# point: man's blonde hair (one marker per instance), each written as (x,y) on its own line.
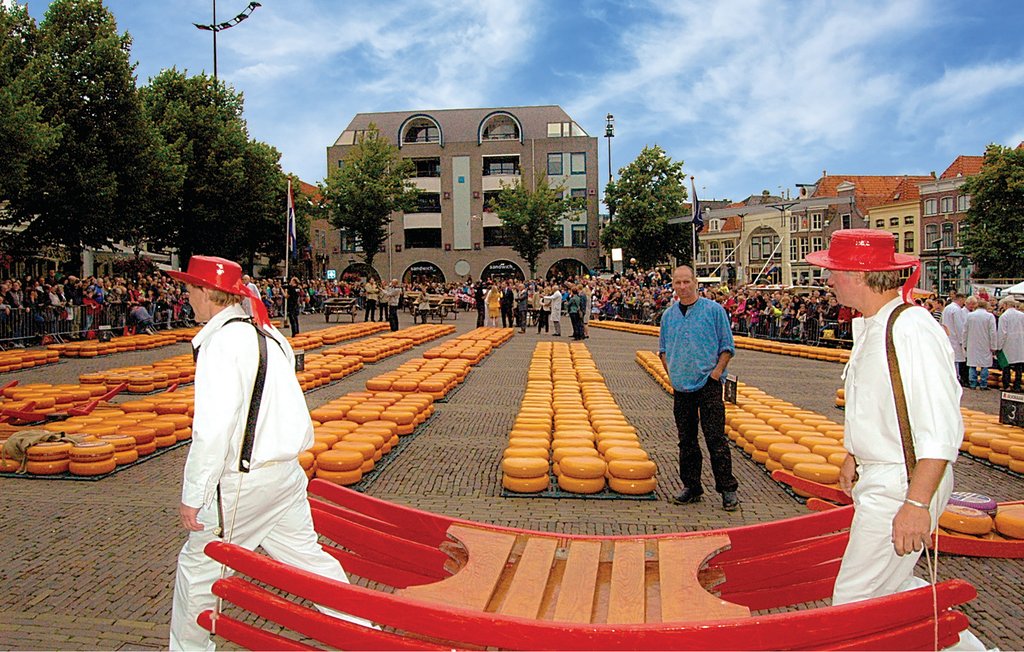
(221,298)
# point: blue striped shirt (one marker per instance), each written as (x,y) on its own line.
(693,342)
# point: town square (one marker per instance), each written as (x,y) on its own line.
(299,350)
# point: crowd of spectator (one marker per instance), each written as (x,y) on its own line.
(54,307)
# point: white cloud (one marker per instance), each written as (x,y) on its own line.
(963,89)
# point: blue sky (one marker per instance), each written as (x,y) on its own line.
(750,94)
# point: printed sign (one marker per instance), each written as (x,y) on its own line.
(1011,409)
(731,387)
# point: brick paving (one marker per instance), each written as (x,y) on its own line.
(90,565)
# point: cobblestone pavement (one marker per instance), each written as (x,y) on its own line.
(89,565)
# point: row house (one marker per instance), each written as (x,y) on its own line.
(943,207)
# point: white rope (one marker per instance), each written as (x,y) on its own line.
(226,537)
(932,562)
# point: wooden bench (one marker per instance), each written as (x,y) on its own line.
(341,306)
(441,306)
(580,580)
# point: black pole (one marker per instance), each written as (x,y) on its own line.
(214,40)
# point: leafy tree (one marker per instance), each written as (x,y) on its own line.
(232,199)
(372,183)
(109,172)
(648,192)
(529,216)
(25,140)
(994,237)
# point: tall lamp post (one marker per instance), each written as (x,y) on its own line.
(219,27)
(609,133)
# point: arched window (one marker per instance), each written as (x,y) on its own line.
(500,125)
(420,129)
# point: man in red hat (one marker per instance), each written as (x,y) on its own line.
(893,517)
(242,480)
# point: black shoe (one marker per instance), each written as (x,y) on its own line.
(688,496)
(730,502)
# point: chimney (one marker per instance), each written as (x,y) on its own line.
(932,174)
(824,173)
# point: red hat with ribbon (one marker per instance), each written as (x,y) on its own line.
(215,273)
(866,250)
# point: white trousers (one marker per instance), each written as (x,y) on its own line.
(871,568)
(273,513)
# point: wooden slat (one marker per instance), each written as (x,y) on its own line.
(626,600)
(682,596)
(576,594)
(473,585)
(531,578)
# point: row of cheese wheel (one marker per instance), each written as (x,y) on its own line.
(143,379)
(436,377)
(780,435)
(334,334)
(743,342)
(569,417)
(473,346)
(18,359)
(45,398)
(133,429)
(321,370)
(651,363)
(94,348)
(986,438)
(367,424)
(1008,521)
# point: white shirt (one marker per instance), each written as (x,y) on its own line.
(225,373)
(1011,335)
(556,305)
(246,302)
(980,338)
(929,381)
(953,318)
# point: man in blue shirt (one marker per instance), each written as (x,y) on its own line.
(695,345)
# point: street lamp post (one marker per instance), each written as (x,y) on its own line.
(609,133)
(219,27)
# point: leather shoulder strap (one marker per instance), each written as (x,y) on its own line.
(902,414)
(249,436)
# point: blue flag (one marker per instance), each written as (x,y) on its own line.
(698,219)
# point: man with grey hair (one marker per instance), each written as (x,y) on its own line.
(1010,331)
(247,302)
(392,296)
(980,342)
(953,317)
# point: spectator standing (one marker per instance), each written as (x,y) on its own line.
(981,342)
(370,295)
(1011,342)
(294,304)
(393,296)
(556,309)
(695,345)
(479,297)
(543,309)
(522,306)
(507,303)
(954,318)
(574,307)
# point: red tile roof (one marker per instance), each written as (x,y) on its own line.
(869,190)
(963,166)
(733,223)
(907,190)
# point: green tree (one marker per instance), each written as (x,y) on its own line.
(25,140)
(109,172)
(372,183)
(994,234)
(648,192)
(232,199)
(530,216)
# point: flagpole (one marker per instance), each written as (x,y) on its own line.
(287,248)
(693,230)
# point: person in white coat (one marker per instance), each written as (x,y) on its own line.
(953,317)
(247,496)
(1011,342)
(893,514)
(556,309)
(980,342)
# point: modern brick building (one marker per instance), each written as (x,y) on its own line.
(462,157)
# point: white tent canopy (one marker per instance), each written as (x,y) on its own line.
(1015,289)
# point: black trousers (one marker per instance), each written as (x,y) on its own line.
(382,311)
(481,313)
(542,320)
(393,317)
(706,407)
(293,319)
(371,307)
(577,326)
(507,321)
(961,371)
(1018,369)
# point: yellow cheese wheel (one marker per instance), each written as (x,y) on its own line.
(626,469)
(789,460)
(581,485)
(625,453)
(1003,445)
(605,444)
(540,452)
(570,442)
(49,451)
(525,485)
(574,451)
(340,477)
(339,460)
(773,465)
(759,456)
(632,487)
(822,473)
(306,459)
(524,467)
(965,520)
(91,452)
(1016,452)
(983,438)
(777,450)
(810,441)
(762,442)
(98,467)
(126,456)
(516,442)
(1002,459)
(979,451)
(1010,521)
(582,467)
(47,468)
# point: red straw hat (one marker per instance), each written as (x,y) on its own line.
(215,273)
(862,250)
(866,250)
